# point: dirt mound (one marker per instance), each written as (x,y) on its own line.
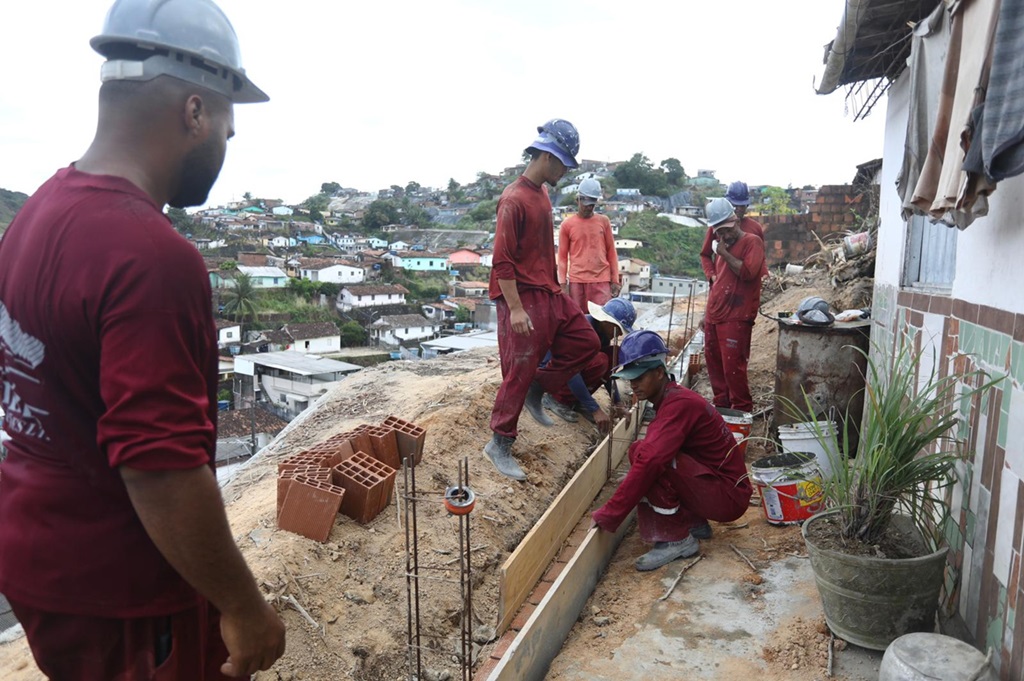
(354,586)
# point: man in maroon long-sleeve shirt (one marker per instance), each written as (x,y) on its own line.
(685,470)
(533,315)
(732,307)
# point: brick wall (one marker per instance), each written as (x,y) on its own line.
(838,209)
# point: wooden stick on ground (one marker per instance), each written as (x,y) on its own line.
(831,647)
(740,554)
(680,576)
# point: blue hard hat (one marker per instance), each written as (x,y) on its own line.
(558,137)
(640,350)
(738,194)
(617,311)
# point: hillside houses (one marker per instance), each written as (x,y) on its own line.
(417,261)
(330,271)
(314,338)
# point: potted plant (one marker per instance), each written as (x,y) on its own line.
(878,552)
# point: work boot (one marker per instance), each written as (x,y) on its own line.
(664,552)
(702,531)
(534,399)
(499,451)
(562,411)
(581,410)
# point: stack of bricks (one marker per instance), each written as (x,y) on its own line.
(352,473)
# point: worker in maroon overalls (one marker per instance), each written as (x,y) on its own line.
(687,468)
(534,317)
(733,301)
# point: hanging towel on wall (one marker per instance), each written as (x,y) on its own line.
(942,181)
(929,45)
(1002,136)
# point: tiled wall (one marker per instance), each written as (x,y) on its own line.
(986,532)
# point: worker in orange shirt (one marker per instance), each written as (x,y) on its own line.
(588,267)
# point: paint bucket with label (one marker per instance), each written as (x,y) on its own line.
(740,423)
(817,440)
(790,487)
(855,244)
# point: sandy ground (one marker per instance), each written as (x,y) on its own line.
(354,587)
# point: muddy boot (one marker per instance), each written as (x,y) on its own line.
(560,410)
(499,451)
(664,552)
(702,531)
(534,405)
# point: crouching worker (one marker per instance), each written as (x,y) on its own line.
(611,321)
(686,470)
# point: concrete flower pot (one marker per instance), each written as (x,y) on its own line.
(873,601)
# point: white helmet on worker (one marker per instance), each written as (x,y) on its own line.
(191,40)
(718,211)
(589,191)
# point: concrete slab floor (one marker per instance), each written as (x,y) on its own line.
(722,621)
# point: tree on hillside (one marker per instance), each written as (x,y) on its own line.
(330,188)
(775,201)
(412,187)
(674,172)
(455,192)
(317,202)
(180,220)
(484,211)
(379,213)
(352,334)
(247,196)
(640,173)
(240,302)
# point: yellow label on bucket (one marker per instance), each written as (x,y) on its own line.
(808,493)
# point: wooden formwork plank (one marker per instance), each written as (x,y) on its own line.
(524,567)
(541,639)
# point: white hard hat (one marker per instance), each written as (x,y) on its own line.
(191,40)
(590,188)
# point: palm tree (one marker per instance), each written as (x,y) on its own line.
(240,301)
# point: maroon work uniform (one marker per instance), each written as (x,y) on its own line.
(687,469)
(707,260)
(524,251)
(728,322)
(109,358)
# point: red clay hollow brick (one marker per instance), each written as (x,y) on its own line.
(336,449)
(385,473)
(385,445)
(360,439)
(364,489)
(311,508)
(286,478)
(304,458)
(410,438)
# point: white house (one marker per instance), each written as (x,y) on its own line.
(334,273)
(280,242)
(399,329)
(265,277)
(228,332)
(288,381)
(282,210)
(399,246)
(635,272)
(486,257)
(628,244)
(376,243)
(955,293)
(370,295)
(313,338)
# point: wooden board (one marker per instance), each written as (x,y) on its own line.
(525,566)
(539,642)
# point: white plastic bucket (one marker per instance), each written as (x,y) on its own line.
(802,437)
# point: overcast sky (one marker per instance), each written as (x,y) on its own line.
(375,93)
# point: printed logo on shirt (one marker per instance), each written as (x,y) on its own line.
(22,353)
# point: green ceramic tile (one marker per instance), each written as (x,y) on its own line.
(1017,362)
(1004,423)
(994,633)
(1001,342)
(1002,601)
(954,537)
(969,530)
(967,336)
(1011,618)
